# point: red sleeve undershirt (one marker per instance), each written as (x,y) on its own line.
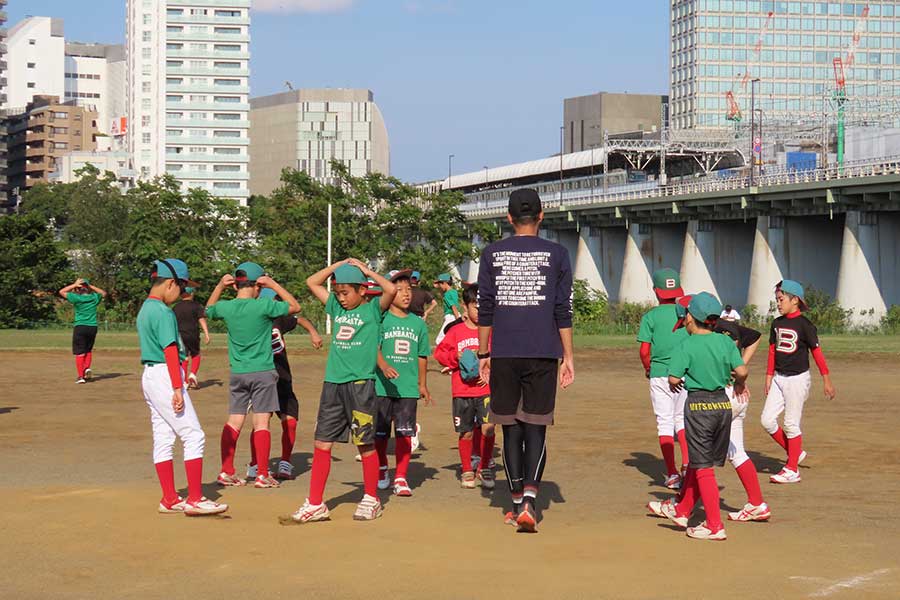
(770,364)
(819,357)
(173,365)
(645,355)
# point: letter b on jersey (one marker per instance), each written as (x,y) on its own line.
(787,340)
(345,333)
(401,347)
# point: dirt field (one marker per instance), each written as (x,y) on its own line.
(80,495)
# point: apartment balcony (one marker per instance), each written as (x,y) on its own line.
(216,106)
(209,89)
(182,140)
(207,37)
(211,175)
(208,123)
(188,53)
(211,20)
(210,158)
(220,4)
(221,72)
(38,151)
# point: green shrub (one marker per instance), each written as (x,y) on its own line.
(890,322)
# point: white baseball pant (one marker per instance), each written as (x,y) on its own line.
(167,424)
(447,320)
(787,394)
(736,453)
(668,406)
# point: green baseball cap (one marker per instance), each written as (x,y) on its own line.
(667,284)
(188,290)
(444,278)
(704,307)
(173,268)
(349,274)
(792,288)
(85,281)
(252,272)
(267,293)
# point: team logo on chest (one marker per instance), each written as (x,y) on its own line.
(345,333)
(786,340)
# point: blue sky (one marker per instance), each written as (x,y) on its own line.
(481,79)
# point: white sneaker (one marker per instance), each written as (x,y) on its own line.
(251,471)
(176,507)
(358,457)
(802,457)
(703,532)
(80,380)
(311,512)
(88,375)
(414,440)
(285,470)
(192,382)
(751,513)
(204,506)
(666,509)
(384,479)
(368,509)
(401,488)
(786,476)
(673,482)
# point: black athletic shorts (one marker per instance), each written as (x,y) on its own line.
(470,412)
(399,411)
(83,337)
(707,425)
(523,389)
(191,344)
(347,408)
(288,405)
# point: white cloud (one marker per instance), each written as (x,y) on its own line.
(314,6)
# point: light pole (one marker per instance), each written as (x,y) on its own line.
(753,83)
(485,175)
(592,172)
(562,129)
(450,171)
(759,111)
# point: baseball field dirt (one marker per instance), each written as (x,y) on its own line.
(79,496)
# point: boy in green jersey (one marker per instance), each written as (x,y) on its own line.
(254,380)
(85,297)
(658,343)
(705,364)
(347,404)
(401,381)
(171,411)
(452,307)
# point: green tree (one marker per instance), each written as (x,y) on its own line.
(34,267)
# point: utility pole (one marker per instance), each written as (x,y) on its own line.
(605,160)
(753,83)
(562,129)
(450,171)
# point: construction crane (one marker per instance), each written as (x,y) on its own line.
(840,81)
(733,109)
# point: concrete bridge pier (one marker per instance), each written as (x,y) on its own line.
(587,261)
(697,259)
(636,283)
(768,263)
(860,274)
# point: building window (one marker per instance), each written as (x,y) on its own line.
(30,84)
(199,11)
(227,134)
(226,150)
(221,64)
(226,185)
(228,13)
(228,30)
(145,138)
(227,47)
(145,120)
(198,149)
(227,116)
(32,65)
(227,168)
(145,87)
(227,99)
(147,19)
(32,42)
(198,98)
(234,82)
(146,36)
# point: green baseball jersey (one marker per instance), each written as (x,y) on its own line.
(656,330)
(354,341)
(157,330)
(705,362)
(451,299)
(249,322)
(403,341)
(85,307)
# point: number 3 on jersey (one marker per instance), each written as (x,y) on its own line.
(345,333)
(402,347)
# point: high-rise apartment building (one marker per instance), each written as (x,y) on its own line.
(307,129)
(188,67)
(718,47)
(3,135)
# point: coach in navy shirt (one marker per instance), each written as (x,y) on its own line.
(525,313)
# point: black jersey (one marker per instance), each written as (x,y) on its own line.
(794,338)
(744,336)
(281,326)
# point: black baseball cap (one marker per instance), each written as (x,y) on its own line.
(524,203)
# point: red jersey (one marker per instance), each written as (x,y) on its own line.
(459,338)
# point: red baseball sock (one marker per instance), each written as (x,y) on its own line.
(682,443)
(381,445)
(687,496)
(166,474)
(79,365)
(288,438)
(370,473)
(747,474)
(709,492)
(229,443)
(253,448)
(476,441)
(794,448)
(780,438)
(87,360)
(194,470)
(263,445)
(465,454)
(195,364)
(667,445)
(487,449)
(402,452)
(318,477)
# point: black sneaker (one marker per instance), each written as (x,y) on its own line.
(487,478)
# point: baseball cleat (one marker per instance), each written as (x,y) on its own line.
(173,508)
(229,480)
(785,476)
(414,440)
(285,470)
(193,384)
(751,513)
(486,476)
(476,462)
(204,506)
(88,375)
(80,380)
(467,480)
(265,481)
(666,509)
(802,457)
(401,488)
(358,457)
(309,513)
(525,522)
(368,509)
(703,532)
(510,518)
(673,481)
(252,472)
(384,479)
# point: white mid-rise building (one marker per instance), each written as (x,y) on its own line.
(188,71)
(36,60)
